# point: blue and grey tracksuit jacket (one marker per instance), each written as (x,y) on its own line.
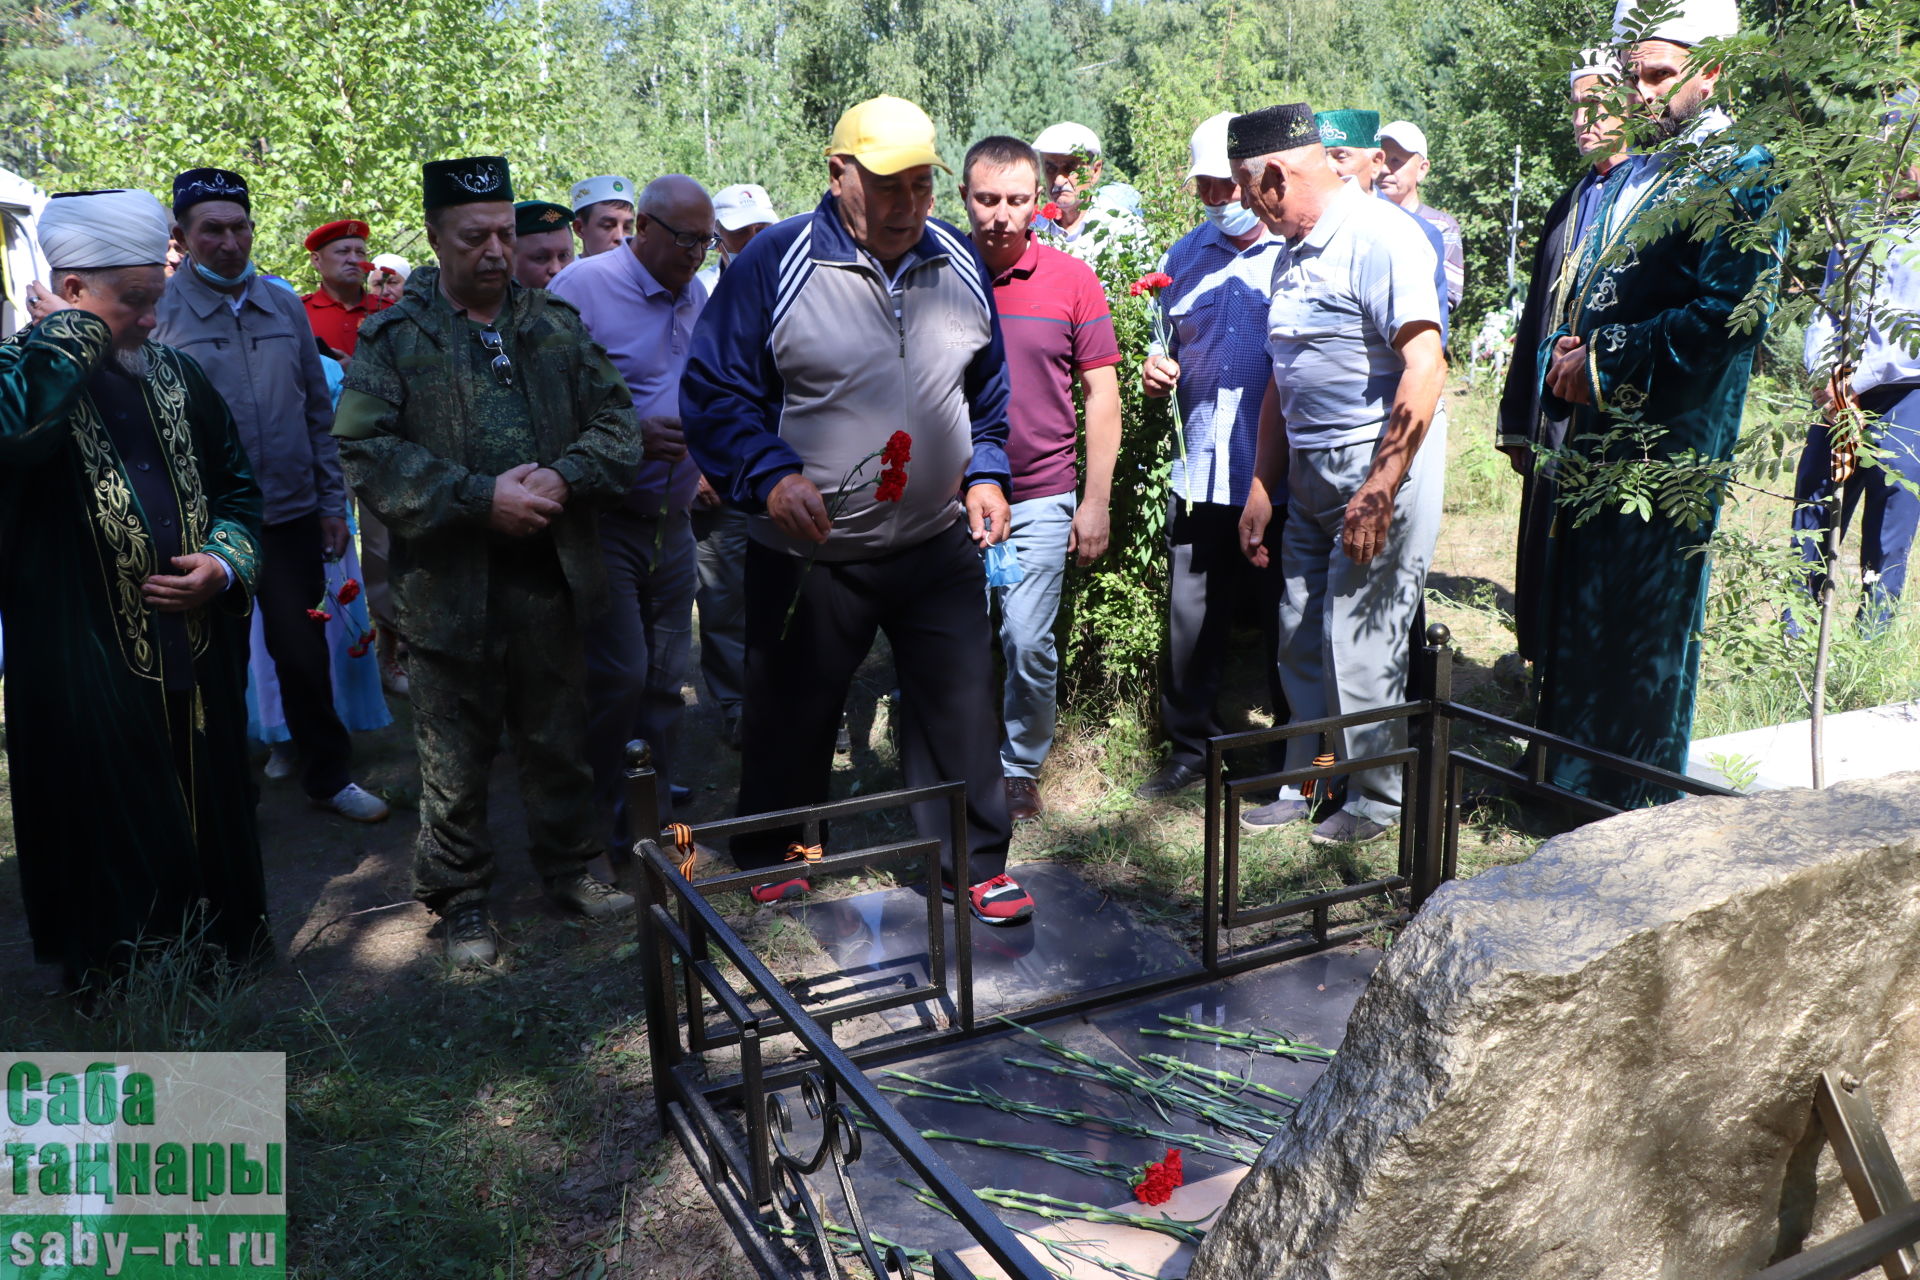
(807,359)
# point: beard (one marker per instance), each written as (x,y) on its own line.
(1675,117)
(134,361)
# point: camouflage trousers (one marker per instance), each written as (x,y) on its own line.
(531,682)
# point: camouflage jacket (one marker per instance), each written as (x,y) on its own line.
(408,440)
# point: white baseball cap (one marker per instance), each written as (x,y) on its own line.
(1065,138)
(1406,135)
(608,186)
(745,204)
(1207,149)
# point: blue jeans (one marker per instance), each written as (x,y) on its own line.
(1030,697)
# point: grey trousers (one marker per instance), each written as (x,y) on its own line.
(637,655)
(722,534)
(1344,627)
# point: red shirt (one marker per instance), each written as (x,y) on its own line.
(338,326)
(1056,323)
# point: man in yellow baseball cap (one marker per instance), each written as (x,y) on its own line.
(880,170)
(864,333)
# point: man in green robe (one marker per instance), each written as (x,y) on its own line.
(1645,339)
(130,522)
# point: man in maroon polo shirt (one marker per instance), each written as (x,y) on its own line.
(1058,328)
(338,252)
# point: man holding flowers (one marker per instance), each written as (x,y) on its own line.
(830,333)
(1213,362)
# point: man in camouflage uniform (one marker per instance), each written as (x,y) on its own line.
(483,426)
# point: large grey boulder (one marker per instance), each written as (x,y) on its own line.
(1601,1062)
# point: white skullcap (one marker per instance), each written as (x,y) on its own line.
(1207,149)
(94,230)
(592,191)
(393,262)
(1601,60)
(1065,138)
(1688,24)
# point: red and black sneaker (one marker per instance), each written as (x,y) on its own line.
(998,901)
(781,890)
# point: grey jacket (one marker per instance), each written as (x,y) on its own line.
(806,360)
(263,362)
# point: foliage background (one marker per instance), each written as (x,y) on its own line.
(329,107)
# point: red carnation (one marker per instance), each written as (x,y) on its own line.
(365,267)
(366,637)
(1050,211)
(349,591)
(899,450)
(318,615)
(1149,282)
(893,485)
(1159,1179)
(357,651)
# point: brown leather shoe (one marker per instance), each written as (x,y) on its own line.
(1023,799)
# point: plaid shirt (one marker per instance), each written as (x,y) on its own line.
(1217,308)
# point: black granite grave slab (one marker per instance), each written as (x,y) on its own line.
(1079,939)
(1308,999)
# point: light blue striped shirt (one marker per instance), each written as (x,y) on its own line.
(1217,306)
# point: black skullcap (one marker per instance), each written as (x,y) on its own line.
(531,217)
(468,180)
(1271,129)
(198,185)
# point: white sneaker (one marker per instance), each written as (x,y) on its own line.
(355,802)
(282,762)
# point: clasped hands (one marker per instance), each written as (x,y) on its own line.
(526,499)
(1567,371)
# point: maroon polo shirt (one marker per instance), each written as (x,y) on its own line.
(1056,323)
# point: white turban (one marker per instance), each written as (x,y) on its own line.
(1687,23)
(1603,61)
(93,230)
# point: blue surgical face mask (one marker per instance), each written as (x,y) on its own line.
(225,282)
(1234,220)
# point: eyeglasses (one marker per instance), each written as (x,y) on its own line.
(502,366)
(688,239)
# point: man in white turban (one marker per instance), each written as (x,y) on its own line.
(1643,338)
(131,525)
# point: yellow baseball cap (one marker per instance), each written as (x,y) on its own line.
(886,135)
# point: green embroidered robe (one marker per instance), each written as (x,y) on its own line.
(132,804)
(1619,654)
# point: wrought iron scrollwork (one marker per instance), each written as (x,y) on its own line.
(839,1146)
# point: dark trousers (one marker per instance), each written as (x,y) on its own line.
(637,656)
(1889,514)
(292,578)
(1210,580)
(930,600)
(531,681)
